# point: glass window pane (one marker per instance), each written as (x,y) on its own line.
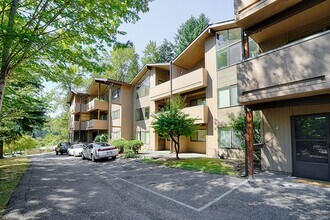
(312,127)
(233,95)
(224,100)
(146,113)
(201,135)
(222,58)
(225,137)
(312,151)
(147,137)
(194,137)
(234,34)
(235,141)
(235,53)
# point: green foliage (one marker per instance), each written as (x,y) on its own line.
(119,143)
(129,153)
(23,143)
(165,52)
(172,122)
(56,130)
(134,145)
(124,62)
(237,123)
(150,53)
(101,138)
(188,31)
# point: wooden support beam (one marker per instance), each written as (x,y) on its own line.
(249,166)
(246,47)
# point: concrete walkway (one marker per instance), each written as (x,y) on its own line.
(167,154)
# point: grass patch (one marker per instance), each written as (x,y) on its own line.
(207,165)
(11,172)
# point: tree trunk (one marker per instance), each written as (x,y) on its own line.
(176,146)
(2,91)
(1,148)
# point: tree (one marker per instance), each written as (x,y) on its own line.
(188,31)
(24,110)
(165,52)
(172,122)
(47,36)
(150,53)
(124,62)
(237,123)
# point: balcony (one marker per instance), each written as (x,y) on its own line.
(250,12)
(200,113)
(97,125)
(74,125)
(188,82)
(297,70)
(75,108)
(97,105)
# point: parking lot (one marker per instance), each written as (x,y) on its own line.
(62,187)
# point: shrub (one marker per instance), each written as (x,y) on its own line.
(129,153)
(119,143)
(101,138)
(134,145)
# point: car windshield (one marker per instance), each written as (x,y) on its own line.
(102,145)
(78,146)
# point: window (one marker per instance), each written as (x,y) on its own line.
(228,138)
(254,48)
(196,102)
(104,116)
(142,113)
(143,136)
(115,114)
(199,136)
(106,98)
(115,135)
(227,96)
(143,86)
(115,94)
(229,48)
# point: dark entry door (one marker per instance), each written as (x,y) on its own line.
(311,146)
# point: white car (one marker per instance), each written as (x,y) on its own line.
(75,150)
(99,150)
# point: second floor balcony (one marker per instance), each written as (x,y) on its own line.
(299,69)
(188,82)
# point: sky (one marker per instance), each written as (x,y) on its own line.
(165,17)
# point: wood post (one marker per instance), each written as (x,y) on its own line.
(249,142)
(246,48)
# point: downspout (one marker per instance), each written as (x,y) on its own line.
(80,110)
(109,114)
(171,96)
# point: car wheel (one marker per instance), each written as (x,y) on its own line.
(61,153)
(82,157)
(114,157)
(56,152)
(93,158)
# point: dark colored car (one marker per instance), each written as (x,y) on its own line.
(62,148)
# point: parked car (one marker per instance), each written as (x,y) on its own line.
(75,150)
(99,150)
(62,148)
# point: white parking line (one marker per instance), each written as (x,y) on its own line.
(176,201)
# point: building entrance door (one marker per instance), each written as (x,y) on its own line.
(311,146)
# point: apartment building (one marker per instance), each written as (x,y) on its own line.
(196,74)
(273,58)
(289,82)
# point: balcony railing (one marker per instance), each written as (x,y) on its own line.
(188,82)
(199,113)
(97,125)
(74,125)
(97,105)
(296,70)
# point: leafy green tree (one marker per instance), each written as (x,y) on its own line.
(188,31)
(165,51)
(237,123)
(47,36)
(22,143)
(124,62)
(24,109)
(150,53)
(172,122)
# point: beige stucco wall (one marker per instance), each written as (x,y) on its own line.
(211,97)
(276,124)
(127,111)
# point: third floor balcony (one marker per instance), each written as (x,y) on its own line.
(96,104)
(188,82)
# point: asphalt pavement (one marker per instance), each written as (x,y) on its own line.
(63,187)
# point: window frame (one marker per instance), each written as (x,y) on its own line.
(115,114)
(115,93)
(197,135)
(232,137)
(231,103)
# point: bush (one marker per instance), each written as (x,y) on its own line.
(129,153)
(101,138)
(134,145)
(119,143)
